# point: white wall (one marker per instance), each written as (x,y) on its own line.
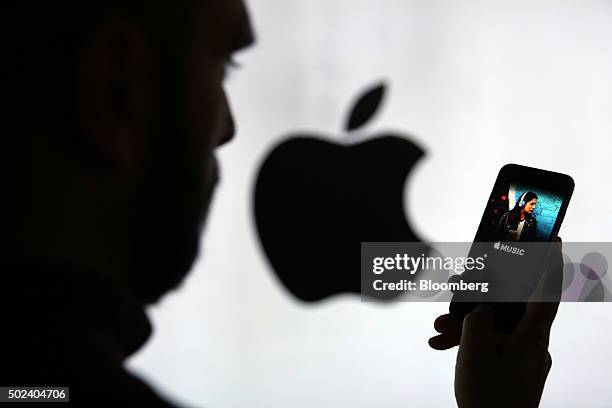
(479,84)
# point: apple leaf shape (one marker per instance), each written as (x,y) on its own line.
(366,106)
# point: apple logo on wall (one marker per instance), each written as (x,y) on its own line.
(316,200)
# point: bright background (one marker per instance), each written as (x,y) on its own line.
(479,84)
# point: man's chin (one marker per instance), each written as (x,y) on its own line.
(163,272)
(170,255)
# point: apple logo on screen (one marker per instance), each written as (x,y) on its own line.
(316,200)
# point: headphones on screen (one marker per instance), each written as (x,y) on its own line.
(522,200)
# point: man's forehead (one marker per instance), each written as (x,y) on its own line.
(229,20)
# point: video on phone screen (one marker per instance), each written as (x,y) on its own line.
(520,213)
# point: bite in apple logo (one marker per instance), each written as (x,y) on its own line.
(316,200)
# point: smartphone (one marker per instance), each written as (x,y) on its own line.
(525,209)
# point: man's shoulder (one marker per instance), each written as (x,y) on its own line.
(57,339)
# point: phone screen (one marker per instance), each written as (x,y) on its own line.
(520,213)
(525,207)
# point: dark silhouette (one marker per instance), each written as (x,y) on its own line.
(507,366)
(112,112)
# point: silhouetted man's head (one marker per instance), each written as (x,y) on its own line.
(113,110)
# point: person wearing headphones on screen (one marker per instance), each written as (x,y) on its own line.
(519,224)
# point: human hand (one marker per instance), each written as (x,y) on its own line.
(495,369)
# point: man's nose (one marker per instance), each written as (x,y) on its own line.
(228,125)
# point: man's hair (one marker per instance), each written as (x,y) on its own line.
(40,39)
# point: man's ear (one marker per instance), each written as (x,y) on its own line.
(115,94)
